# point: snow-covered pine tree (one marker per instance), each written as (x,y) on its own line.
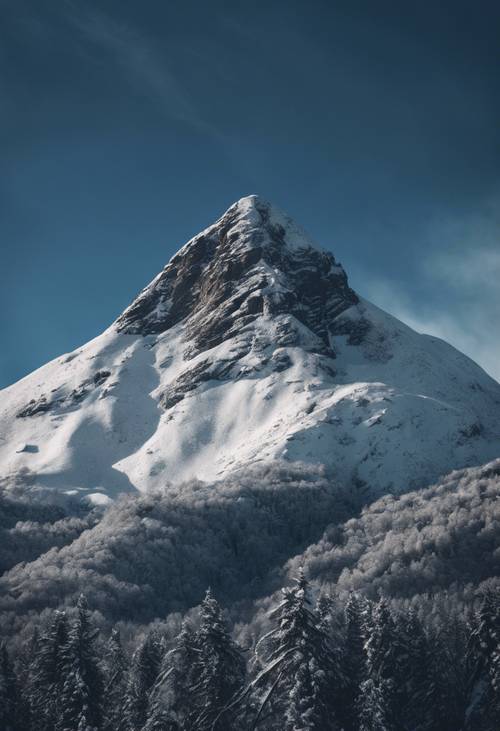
(482,709)
(378,697)
(416,674)
(440,713)
(374,711)
(170,699)
(301,680)
(324,609)
(145,666)
(81,697)
(8,693)
(354,659)
(219,672)
(25,667)
(305,710)
(115,676)
(402,664)
(46,674)
(495,677)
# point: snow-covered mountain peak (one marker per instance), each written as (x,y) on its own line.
(249,346)
(255,212)
(253,262)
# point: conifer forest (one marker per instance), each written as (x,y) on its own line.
(319,666)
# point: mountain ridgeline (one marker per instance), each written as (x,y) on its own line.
(250,422)
(249,347)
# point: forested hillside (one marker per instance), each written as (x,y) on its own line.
(398,629)
(150,555)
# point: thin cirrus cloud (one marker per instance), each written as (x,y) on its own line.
(459,286)
(143,66)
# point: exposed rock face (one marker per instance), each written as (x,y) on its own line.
(44,403)
(253,262)
(244,266)
(249,346)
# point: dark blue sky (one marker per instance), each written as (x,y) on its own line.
(125,127)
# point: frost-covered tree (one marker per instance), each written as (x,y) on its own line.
(301,678)
(170,702)
(378,697)
(416,674)
(482,710)
(81,696)
(306,709)
(115,675)
(325,607)
(8,693)
(219,672)
(144,670)
(356,610)
(46,675)
(25,667)
(495,679)
(440,710)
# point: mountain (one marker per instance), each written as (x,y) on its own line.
(249,347)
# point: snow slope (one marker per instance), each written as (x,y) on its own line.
(248,346)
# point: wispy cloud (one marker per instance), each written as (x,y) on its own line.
(463,282)
(143,66)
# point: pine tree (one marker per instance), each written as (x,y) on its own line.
(142,677)
(170,700)
(374,712)
(378,697)
(440,712)
(8,693)
(495,678)
(416,674)
(47,673)
(354,662)
(25,671)
(301,678)
(306,710)
(324,610)
(220,669)
(482,710)
(114,683)
(81,697)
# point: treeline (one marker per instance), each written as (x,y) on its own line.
(320,664)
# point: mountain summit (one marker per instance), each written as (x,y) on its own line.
(253,262)
(249,346)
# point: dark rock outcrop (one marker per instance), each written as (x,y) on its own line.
(236,271)
(43,404)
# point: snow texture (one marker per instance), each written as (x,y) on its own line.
(248,347)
